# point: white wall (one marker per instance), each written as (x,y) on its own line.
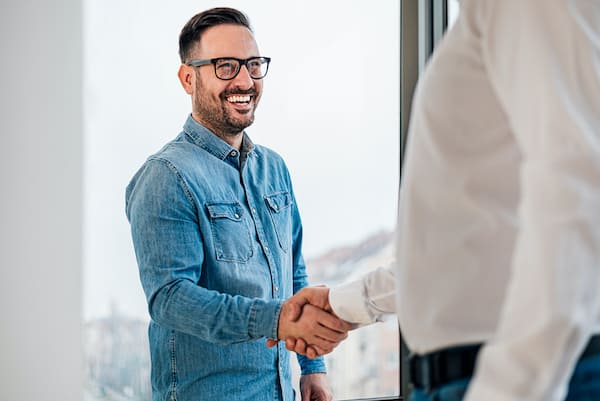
(40,200)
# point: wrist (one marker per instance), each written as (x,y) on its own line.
(263,320)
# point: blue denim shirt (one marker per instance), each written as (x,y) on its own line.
(218,238)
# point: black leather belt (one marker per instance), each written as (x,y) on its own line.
(432,370)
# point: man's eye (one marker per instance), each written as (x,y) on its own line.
(226,65)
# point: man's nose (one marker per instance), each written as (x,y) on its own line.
(243,78)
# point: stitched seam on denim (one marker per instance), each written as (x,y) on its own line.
(180,179)
(252,321)
(193,135)
(275,326)
(310,371)
(173,369)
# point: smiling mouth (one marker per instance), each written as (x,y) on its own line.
(239,99)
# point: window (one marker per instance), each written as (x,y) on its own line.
(453,8)
(329,107)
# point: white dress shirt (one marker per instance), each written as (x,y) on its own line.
(499,217)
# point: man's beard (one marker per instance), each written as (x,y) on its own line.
(215,115)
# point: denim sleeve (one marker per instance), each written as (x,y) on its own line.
(169,250)
(307,365)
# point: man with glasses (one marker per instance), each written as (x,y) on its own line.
(218,237)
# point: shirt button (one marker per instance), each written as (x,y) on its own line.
(237,216)
(275,207)
(233,153)
(253,210)
(266,249)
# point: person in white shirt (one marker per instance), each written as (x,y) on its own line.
(499,219)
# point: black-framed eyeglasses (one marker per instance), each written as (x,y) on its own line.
(227,68)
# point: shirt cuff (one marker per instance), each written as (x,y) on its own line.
(309,366)
(348,301)
(264,318)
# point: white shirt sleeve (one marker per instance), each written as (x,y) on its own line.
(544,61)
(366,300)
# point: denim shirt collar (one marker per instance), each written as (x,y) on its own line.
(210,142)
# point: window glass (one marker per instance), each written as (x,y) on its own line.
(330,107)
(453,8)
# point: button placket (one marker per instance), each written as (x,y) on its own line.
(262,239)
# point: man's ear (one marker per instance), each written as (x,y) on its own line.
(186,77)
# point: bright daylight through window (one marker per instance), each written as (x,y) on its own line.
(330,107)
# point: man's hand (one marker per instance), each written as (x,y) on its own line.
(317,296)
(314,387)
(317,327)
(308,329)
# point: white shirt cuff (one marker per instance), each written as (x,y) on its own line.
(348,301)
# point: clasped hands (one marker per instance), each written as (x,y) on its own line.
(308,325)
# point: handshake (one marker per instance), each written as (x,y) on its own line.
(308,325)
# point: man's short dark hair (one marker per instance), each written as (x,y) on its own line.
(191,32)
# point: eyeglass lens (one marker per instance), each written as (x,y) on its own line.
(228,68)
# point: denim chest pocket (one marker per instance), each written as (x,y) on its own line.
(280,209)
(230,231)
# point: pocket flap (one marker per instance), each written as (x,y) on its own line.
(227,210)
(279,201)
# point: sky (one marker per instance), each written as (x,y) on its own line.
(330,107)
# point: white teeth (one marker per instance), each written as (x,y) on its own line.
(239,98)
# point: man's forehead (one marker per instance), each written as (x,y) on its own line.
(227,40)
